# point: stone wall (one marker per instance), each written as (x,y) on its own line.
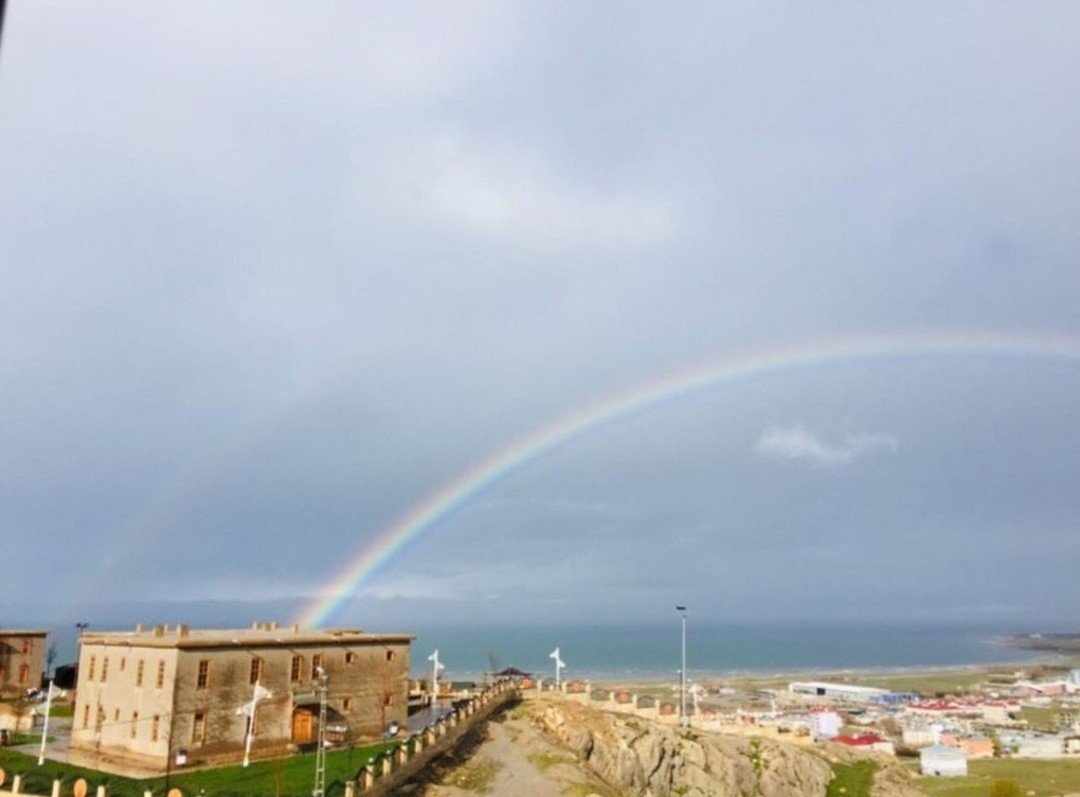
(388,772)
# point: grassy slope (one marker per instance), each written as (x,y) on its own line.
(852,780)
(1044,778)
(289,776)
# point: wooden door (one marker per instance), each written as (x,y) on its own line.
(303,724)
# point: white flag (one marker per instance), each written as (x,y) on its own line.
(248,709)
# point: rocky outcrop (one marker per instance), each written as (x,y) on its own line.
(645,759)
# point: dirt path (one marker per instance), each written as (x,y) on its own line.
(516,761)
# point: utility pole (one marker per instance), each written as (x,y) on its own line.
(684,718)
(320,752)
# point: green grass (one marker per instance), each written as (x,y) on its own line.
(852,780)
(61,710)
(930,682)
(285,777)
(1042,718)
(1044,778)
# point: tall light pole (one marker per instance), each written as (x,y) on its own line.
(684,719)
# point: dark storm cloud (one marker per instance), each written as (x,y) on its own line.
(273,274)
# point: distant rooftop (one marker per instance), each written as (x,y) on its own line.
(22,632)
(258,635)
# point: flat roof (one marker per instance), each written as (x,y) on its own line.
(868,690)
(264,636)
(22,632)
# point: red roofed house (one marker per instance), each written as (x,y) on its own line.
(867,741)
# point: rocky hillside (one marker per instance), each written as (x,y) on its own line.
(644,759)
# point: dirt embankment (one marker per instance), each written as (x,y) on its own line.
(554,748)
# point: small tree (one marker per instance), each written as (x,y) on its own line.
(1006,788)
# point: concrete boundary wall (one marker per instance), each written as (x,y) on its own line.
(390,771)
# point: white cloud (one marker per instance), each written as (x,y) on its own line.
(797,444)
(508,191)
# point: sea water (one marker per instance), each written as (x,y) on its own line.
(649,652)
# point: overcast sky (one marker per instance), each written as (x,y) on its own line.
(274,272)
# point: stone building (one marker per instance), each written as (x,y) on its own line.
(22,660)
(152,695)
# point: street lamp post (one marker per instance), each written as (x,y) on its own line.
(684,719)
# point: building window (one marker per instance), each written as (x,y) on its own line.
(134,724)
(86,716)
(388,699)
(27,646)
(347,704)
(123,664)
(104,669)
(390,655)
(99,720)
(297,666)
(116,715)
(160,674)
(203,679)
(256,671)
(139,672)
(316,665)
(24,674)
(198,729)
(90,669)
(155,726)
(350,657)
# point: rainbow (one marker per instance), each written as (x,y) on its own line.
(564,430)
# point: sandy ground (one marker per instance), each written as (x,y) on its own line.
(514,760)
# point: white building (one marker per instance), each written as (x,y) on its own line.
(943,761)
(825,724)
(833,691)
(1040,747)
(921,735)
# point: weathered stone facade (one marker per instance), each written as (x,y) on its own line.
(22,660)
(145,696)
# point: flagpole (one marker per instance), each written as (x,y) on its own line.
(45,726)
(251,723)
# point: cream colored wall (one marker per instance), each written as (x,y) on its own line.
(119,693)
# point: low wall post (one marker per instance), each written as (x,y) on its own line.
(16,784)
(350,789)
(56,788)
(367,777)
